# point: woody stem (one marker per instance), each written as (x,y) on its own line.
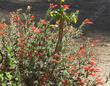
(60,37)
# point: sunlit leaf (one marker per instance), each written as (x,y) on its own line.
(66,73)
(62,0)
(9,76)
(75,20)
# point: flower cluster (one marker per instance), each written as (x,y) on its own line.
(2,27)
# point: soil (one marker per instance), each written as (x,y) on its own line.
(99,30)
(102,51)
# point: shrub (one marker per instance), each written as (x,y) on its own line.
(42,54)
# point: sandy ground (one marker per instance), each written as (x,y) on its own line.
(102,51)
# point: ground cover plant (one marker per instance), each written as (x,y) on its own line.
(42,54)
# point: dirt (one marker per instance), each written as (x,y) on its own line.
(38,8)
(99,30)
(102,51)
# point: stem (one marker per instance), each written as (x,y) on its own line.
(60,37)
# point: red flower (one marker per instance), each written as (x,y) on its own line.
(100,81)
(56,56)
(92,61)
(32,17)
(2,26)
(66,7)
(71,69)
(91,54)
(33,28)
(86,68)
(28,21)
(22,24)
(93,75)
(55,61)
(81,82)
(38,31)
(32,37)
(21,42)
(2,33)
(43,22)
(88,21)
(30,55)
(53,6)
(82,52)
(91,69)
(65,82)
(95,42)
(43,80)
(71,58)
(19,34)
(40,54)
(97,70)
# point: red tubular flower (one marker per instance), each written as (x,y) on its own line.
(2,26)
(100,81)
(55,61)
(93,75)
(71,69)
(91,69)
(82,52)
(40,54)
(43,22)
(32,37)
(86,68)
(71,58)
(53,6)
(92,61)
(95,42)
(65,82)
(2,33)
(56,56)
(39,31)
(97,70)
(91,54)
(81,82)
(43,80)
(33,28)
(18,19)
(21,42)
(22,24)
(28,21)
(30,55)
(32,17)
(88,21)
(66,7)
(19,34)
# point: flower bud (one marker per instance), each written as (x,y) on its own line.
(28,7)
